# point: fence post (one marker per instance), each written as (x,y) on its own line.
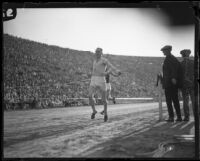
(160,101)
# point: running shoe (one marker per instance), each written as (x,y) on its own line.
(93,115)
(102,112)
(105,118)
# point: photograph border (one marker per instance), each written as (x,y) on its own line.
(195,7)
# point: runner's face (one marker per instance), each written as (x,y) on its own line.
(98,54)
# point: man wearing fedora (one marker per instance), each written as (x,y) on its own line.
(171,83)
(188,82)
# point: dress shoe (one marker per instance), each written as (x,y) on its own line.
(179,119)
(186,119)
(170,120)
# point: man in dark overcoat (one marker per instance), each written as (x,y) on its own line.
(188,82)
(171,83)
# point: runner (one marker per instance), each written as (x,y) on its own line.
(108,87)
(98,82)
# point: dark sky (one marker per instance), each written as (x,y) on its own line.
(180,14)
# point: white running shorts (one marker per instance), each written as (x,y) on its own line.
(108,86)
(98,82)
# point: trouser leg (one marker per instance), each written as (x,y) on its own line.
(176,101)
(185,103)
(169,103)
(192,97)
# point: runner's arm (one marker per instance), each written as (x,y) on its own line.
(112,68)
(115,75)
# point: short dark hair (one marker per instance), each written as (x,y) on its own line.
(99,49)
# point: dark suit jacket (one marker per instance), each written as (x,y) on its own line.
(172,69)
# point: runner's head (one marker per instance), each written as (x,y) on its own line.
(98,52)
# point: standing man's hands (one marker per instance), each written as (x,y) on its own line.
(173,81)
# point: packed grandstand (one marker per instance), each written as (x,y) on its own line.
(37,75)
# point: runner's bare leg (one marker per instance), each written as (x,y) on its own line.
(92,99)
(104,100)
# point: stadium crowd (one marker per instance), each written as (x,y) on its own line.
(37,75)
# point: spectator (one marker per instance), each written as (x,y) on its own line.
(188,82)
(170,83)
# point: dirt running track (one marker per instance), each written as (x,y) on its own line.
(69,132)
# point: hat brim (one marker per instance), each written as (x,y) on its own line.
(165,49)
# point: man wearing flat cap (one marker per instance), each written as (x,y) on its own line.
(171,83)
(188,82)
